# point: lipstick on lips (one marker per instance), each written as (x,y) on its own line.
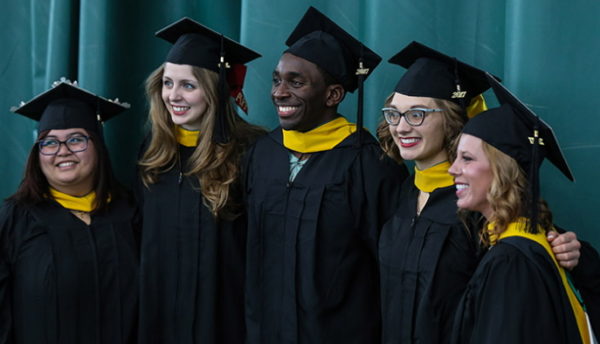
(408,142)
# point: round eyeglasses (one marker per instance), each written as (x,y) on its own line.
(414,116)
(74,144)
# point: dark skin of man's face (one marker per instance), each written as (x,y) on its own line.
(301,98)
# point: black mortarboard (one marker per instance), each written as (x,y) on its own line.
(321,41)
(196,45)
(66,106)
(511,128)
(519,133)
(433,74)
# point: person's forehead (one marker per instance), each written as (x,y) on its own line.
(289,63)
(405,102)
(66,132)
(470,143)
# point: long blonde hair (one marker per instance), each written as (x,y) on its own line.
(217,166)
(507,194)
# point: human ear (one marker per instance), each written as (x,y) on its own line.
(335,95)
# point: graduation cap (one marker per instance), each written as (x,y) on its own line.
(519,133)
(436,75)
(197,45)
(66,105)
(319,40)
(514,129)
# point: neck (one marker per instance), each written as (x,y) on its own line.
(425,164)
(75,191)
(487,213)
(187,127)
(328,117)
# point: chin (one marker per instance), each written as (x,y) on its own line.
(407,155)
(177,121)
(464,205)
(287,125)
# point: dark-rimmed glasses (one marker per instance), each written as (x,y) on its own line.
(414,116)
(75,144)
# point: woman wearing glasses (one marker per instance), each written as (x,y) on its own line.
(426,254)
(68,254)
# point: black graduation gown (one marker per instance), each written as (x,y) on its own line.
(425,264)
(62,281)
(312,269)
(192,266)
(586,276)
(515,296)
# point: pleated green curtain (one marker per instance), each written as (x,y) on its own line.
(108,46)
(546,51)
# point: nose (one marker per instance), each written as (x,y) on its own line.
(174,93)
(403,127)
(63,149)
(455,169)
(279,91)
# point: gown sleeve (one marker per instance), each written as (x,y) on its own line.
(381,180)
(510,302)
(5,299)
(586,277)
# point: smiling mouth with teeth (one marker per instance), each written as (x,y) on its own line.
(66,164)
(461,186)
(286,110)
(180,108)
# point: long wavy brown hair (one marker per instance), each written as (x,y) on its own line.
(217,166)
(508,194)
(453,122)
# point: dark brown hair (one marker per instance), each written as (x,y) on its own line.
(34,187)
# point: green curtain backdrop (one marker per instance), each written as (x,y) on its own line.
(546,51)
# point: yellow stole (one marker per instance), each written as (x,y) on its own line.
(187,138)
(517,228)
(476,106)
(435,177)
(322,138)
(83,203)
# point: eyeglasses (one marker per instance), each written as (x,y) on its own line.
(74,144)
(414,117)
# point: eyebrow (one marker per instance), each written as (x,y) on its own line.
(182,80)
(68,135)
(410,108)
(288,74)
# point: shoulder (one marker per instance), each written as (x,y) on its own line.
(372,156)
(265,148)
(16,220)
(10,210)
(509,264)
(268,141)
(441,206)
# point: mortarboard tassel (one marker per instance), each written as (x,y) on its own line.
(459,93)
(221,129)
(100,123)
(361,72)
(534,179)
